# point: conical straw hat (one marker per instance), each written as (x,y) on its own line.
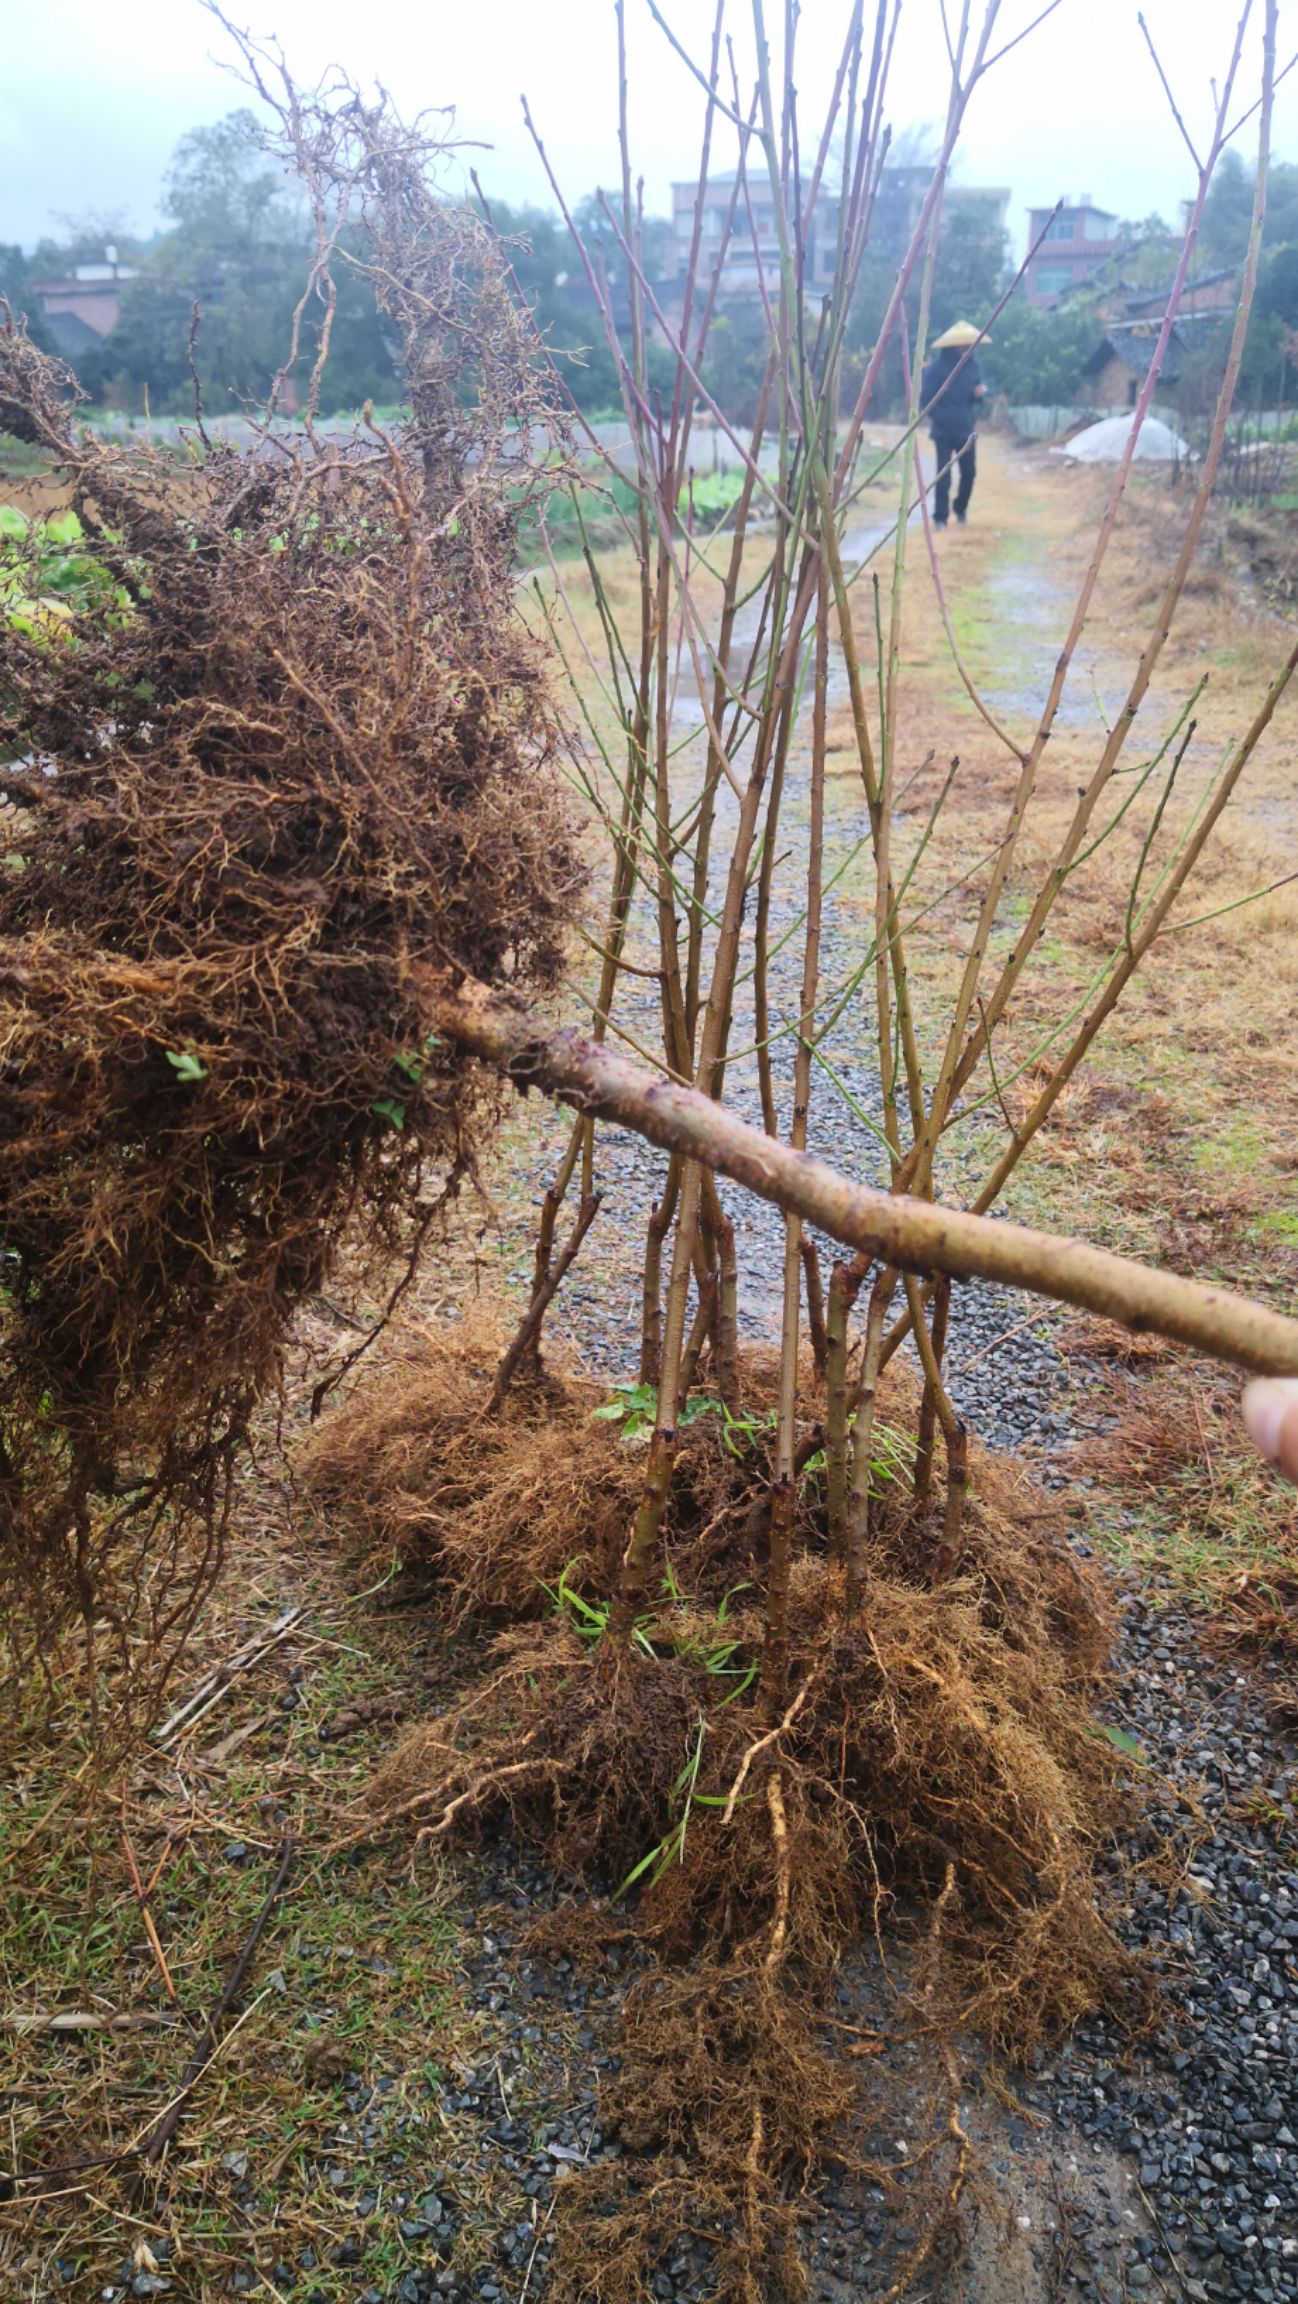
(959,337)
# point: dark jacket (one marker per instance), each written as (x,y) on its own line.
(956,413)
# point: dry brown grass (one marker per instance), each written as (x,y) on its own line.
(1203,1518)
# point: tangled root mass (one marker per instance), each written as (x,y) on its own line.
(936,1781)
(942,1728)
(296,752)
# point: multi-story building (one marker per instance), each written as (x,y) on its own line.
(752,250)
(1076,243)
(82,308)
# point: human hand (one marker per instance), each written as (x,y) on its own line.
(1271,1415)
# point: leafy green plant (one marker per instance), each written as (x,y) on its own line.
(655,1635)
(635,1407)
(742,1432)
(411,1063)
(713,494)
(892,1455)
(685,1797)
(49,574)
(589,1618)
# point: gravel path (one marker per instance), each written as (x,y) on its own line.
(1005,1371)
(1209,2114)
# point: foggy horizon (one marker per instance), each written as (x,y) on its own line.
(91,112)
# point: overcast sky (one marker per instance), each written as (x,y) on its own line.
(93,96)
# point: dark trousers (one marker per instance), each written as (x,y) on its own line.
(948,453)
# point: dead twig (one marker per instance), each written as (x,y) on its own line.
(217,1683)
(22,2021)
(529,1328)
(156,2142)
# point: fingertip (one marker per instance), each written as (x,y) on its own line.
(1271,1419)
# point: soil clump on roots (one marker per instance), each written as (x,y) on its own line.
(491,1512)
(929,1779)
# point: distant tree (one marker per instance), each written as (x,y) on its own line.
(237,245)
(238,248)
(552,278)
(17,273)
(601,238)
(968,278)
(1036,358)
(1228,210)
(1277,286)
(739,344)
(85,239)
(1151,250)
(1268,376)
(13,274)
(1223,236)
(970,266)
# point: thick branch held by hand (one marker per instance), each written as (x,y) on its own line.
(912,1234)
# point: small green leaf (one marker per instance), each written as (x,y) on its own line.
(388,1109)
(63,527)
(12,522)
(741,1688)
(639,1870)
(185,1064)
(412,1066)
(1120,1740)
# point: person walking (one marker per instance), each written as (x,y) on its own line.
(951,393)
